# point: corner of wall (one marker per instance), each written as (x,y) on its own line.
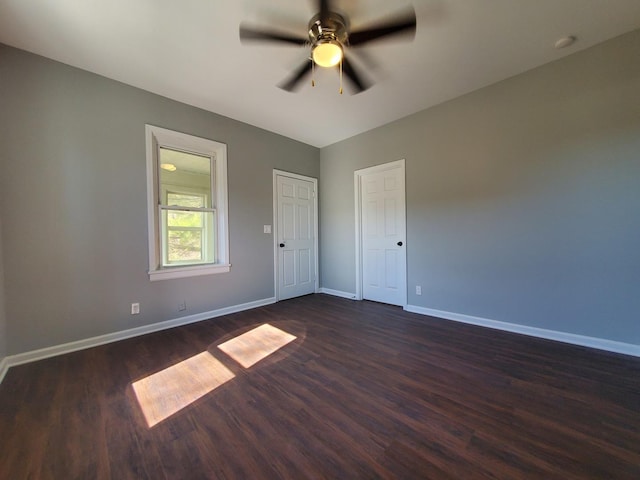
(3,318)
(4,368)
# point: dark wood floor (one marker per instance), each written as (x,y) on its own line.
(365,391)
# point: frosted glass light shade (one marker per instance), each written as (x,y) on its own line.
(327,54)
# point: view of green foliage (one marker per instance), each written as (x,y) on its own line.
(185,234)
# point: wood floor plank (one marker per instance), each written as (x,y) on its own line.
(364,390)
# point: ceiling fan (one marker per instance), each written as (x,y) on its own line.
(329,38)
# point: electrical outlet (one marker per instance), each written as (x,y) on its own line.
(135,308)
(418,290)
(183,306)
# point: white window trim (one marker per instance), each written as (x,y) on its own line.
(157,137)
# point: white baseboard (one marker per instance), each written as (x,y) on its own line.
(4,368)
(43,353)
(598,343)
(337,293)
(584,341)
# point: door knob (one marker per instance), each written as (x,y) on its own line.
(399,244)
(282,245)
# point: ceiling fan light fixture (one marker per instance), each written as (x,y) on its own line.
(327,53)
(328,38)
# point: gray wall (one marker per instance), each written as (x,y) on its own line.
(73,204)
(523,198)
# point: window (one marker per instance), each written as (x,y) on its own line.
(187,205)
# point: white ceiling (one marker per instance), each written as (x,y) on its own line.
(189,50)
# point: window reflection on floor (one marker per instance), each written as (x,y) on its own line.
(168,391)
(251,347)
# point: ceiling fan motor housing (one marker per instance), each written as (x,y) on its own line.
(332,28)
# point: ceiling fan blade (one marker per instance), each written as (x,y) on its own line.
(268,35)
(293,82)
(359,82)
(401,23)
(365,58)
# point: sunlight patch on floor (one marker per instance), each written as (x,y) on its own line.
(251,347)
(170,390)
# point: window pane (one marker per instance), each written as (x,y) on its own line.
(185,200)
(180,169)
(184,246)
(188,237)
(185,219)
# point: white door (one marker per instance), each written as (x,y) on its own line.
(383,231)
(295,236)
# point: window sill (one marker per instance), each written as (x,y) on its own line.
(184,272)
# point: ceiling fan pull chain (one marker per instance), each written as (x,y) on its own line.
(341,76)
(313,73)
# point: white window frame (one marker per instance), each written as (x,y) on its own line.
(157,137)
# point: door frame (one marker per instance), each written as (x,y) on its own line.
(275,233)
(357,184)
